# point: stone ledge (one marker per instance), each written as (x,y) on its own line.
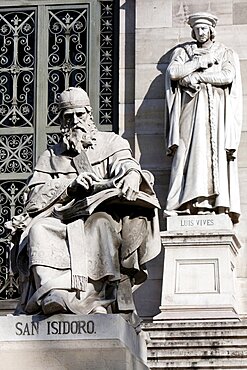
(196,325)
(8,306)
(99,342)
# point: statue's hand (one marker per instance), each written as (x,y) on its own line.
(129,185)
(207,60)
(85,180)
(192,79)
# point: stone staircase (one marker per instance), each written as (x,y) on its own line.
(197,345)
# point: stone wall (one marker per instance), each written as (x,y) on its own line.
(148,30)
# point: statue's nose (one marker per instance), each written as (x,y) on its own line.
(75,118)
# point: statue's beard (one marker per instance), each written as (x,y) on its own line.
(77,138)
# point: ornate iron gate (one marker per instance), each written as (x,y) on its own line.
(44,48)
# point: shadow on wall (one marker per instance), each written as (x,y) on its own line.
(150,117)
(149,130)
(148,296)
(150,127)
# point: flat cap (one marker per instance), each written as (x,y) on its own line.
(204,18)
(73,97)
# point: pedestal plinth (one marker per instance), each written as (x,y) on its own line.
(199,268)
(90,342)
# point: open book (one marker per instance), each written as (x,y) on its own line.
(86,206)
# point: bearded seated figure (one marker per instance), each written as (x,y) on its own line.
(72,258)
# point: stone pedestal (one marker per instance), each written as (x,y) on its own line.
(199,268)
(90,342)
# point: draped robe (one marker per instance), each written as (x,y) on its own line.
(203,125)
(110,246)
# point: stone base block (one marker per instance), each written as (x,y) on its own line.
(196,313)
(73,342)
(199,269)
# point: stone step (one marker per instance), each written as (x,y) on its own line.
(196,330)
(200,345)
(178,334)
(195,325)
(202,364)
(169,354)
(204,344)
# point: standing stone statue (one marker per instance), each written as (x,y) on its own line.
(90,223)
(203,95)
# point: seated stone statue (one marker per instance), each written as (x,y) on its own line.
(73,258)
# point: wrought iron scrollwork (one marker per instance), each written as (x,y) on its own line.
(17,49)
(53,139)
(16,153)
(11,203)
(68,54)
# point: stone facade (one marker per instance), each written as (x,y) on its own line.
(148,30)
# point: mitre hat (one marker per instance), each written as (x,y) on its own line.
(204,18)
(73,97)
